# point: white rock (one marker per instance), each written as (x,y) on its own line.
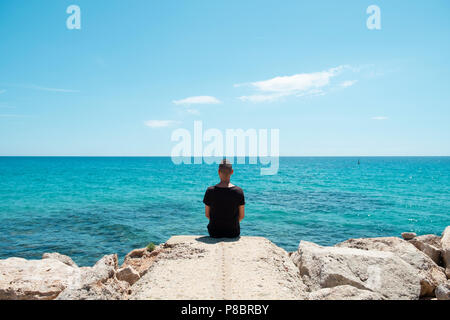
(111,289)
(377,271)
(97,283)
(445,244)
(57,256)
(344,292)
(22,279)
(443,291)
(105,268)
(430,273)
(429,244)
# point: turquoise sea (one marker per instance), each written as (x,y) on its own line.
(86,207)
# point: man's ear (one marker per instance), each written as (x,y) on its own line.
(232,171)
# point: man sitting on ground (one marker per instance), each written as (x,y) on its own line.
(224,205)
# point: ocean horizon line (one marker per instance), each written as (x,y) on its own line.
(283,156)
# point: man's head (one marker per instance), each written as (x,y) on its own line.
(225,170)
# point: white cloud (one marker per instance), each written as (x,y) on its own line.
(193,111)
(256,98)
(160,123)
(261,97)
(299,85)
(8,115)
(197,100)
(40,88)
(348,83)
(380,118)
(50,89)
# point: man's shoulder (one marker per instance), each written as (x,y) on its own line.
(238,189)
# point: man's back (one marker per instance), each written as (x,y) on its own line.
(224,203)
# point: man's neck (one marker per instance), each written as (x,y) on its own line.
(225,183)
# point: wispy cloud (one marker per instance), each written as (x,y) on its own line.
(348,83)
(193,111)
(256,98)
(37,87)
(160,123)
(380,118)
(50,89)
(8,115)
(5,105)
(296,85)
(197,100)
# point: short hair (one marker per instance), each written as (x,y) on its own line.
(225,165)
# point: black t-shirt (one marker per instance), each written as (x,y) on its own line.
(224,212)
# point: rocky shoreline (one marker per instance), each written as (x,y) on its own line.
(193,267)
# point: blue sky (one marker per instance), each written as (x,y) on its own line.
(137,70)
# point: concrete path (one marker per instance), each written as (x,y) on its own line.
(195,267)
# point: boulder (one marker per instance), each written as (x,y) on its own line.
(344,292)
(429,244)
(443,291)
(141,259)
(445,244)
(430,239)
(22,279)
(104,269)
(111,289)
(57,256)
(97,283)
(377,271)
(408,235)
(431,275)
(128,274)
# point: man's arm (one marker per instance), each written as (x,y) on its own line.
(241,212)
(207,209)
